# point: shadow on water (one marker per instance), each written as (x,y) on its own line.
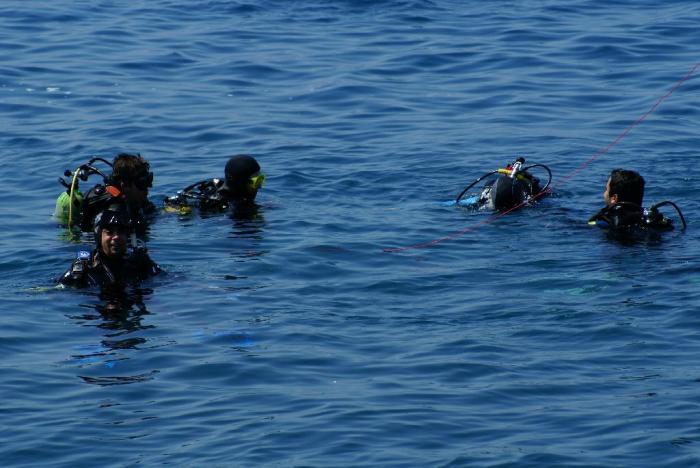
(248,225)
(248,218)
(120,315)
(641,237)
(248,221)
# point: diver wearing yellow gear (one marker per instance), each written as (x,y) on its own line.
(243,179)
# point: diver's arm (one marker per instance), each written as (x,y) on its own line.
(76,276)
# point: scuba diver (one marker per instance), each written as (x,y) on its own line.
(506,188)
(239,188)
(623,212)
(128,182)
(113,263)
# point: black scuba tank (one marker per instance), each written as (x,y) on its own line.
(506,192)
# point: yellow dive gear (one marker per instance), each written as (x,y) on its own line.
(64,211)
(257,181)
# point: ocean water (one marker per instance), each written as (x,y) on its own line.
(356,319)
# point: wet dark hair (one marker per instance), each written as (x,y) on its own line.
(627,185)
(130,168)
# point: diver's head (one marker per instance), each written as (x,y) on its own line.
(112,229)
(243,178)
(624,186)
(133,176)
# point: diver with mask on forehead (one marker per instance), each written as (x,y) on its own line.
(128,182)
(118,258)
(243,178)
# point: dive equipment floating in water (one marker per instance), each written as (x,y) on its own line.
(510,187)
(204,191)
(204,194)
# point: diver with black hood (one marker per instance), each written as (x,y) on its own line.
(623,212)
(113,262)
(243,179)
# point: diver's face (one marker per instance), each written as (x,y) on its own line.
(135,194)
(136,191)
(113,241)
(242,192)
(250,194)
(606,194)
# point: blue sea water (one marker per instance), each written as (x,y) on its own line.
(293,338)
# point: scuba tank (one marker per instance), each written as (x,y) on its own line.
(68,203)
(509,187)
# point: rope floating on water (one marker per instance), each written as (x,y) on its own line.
(493,218)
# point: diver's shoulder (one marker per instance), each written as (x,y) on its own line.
(630,217)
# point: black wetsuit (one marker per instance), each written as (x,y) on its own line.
(630,219)
(95,269)
(506,192)
(98,198)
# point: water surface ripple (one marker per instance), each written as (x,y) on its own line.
(290,338)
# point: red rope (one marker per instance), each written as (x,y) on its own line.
(566,178)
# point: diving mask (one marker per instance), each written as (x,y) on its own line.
(144,181)
(257,181)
